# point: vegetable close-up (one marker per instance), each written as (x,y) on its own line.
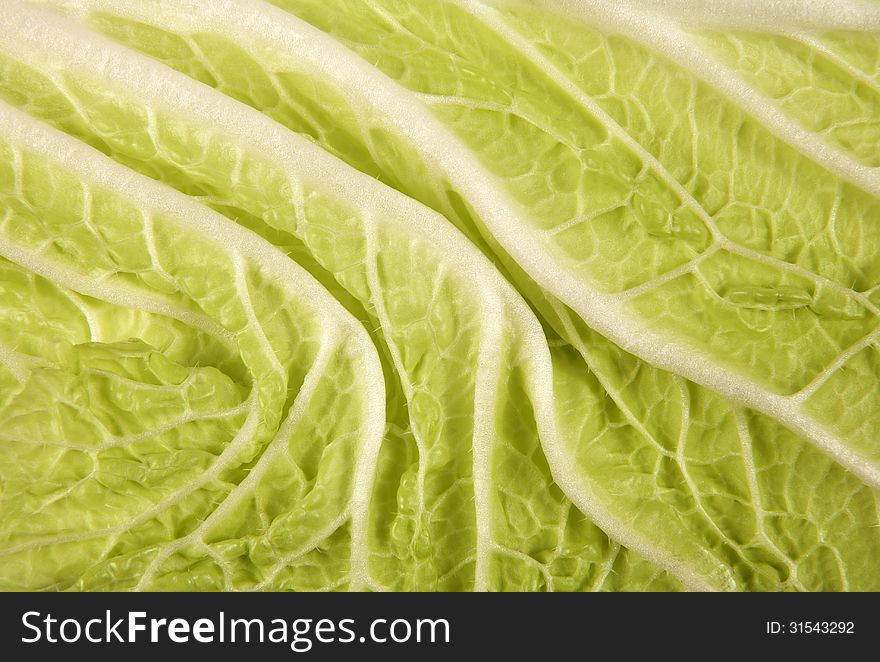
(439,295)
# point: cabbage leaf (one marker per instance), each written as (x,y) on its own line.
(439,295)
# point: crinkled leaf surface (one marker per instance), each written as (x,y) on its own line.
(526,298)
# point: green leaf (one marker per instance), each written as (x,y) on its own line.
(624,297)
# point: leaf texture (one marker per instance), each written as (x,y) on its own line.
(438,296)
